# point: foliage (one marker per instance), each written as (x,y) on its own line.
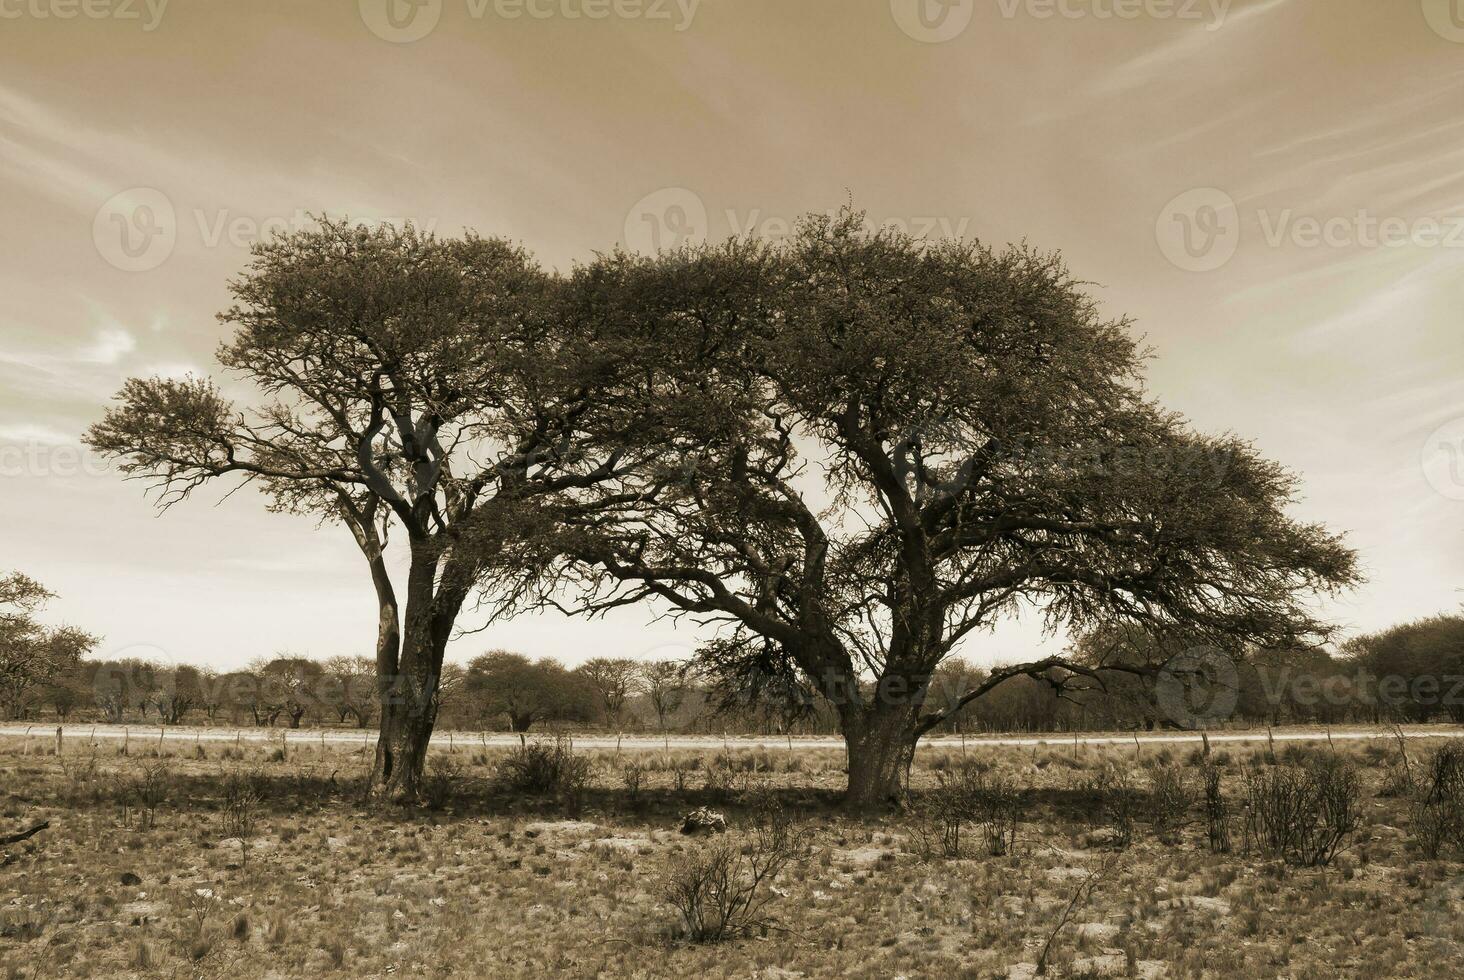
(32,655)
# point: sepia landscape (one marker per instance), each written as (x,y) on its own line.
(623,488)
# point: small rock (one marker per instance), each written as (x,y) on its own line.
(128,878)
(703,821)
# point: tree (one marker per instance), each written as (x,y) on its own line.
(435,386)
(665,686)
(352,685)
(949,683)
(500,682)
(32,655)
(1413,671)
(984,444)
(613,680)
(287,687)
(177,693)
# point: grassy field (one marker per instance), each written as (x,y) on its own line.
(209,860)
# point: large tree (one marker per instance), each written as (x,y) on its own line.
(909,442)
(427,385)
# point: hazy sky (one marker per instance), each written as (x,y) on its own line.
(1273,189)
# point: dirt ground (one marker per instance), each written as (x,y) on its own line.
(143,871)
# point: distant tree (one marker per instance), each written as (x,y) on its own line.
(665,686)
(353,688)
(32,656)
(500,682)
(949,682)
(614,680)
(177,692)
(1413,671)
(211,693)
(287,687)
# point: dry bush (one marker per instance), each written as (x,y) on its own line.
(444,775)
(722,889)
(966,799)
(241,809)
(632,774)
(79,776)
(1217,812)
(1437,811)
(146,789)
(1171,796)
(1118,801)
(538,766)
(1302,815)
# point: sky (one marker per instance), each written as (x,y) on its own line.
(1272,189)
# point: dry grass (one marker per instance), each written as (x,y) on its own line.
(491,883)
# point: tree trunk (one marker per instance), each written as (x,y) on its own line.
(409,680)
(880,739)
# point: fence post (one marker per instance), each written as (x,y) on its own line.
(58,740)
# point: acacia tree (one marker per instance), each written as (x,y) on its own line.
(665,685)
(32,655)
(979,441)
(614,680)
(500,682)
(423,384)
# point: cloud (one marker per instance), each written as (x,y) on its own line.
(110,346)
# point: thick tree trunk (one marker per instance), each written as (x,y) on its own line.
(881,744)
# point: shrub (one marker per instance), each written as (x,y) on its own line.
(966,798)
(241,805)
(538,766)
(722,890)
(444,773)
(1217,812)
(631,774)
(1170,799)
(1117,800)
(1437,813)
(147,789)
(1302,815)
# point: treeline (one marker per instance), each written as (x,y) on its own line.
(1411,673)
